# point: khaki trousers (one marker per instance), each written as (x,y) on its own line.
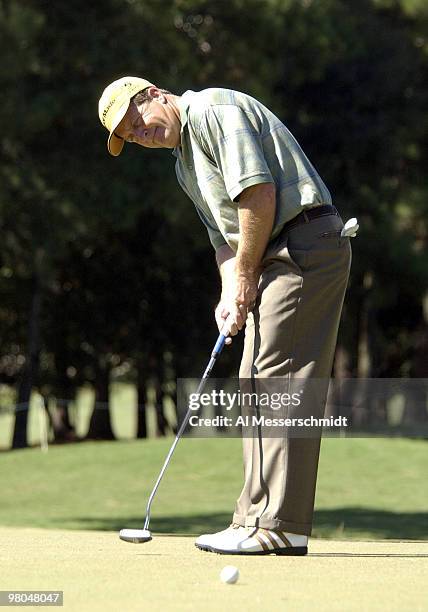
(292,334)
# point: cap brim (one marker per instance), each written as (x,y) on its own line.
(115,143)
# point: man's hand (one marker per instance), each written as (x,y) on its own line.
(237,304)
(240,271)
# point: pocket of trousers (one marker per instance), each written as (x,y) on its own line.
(280,255)
(327,251)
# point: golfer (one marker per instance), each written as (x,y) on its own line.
(284,270)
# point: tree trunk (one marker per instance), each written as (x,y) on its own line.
(100,425)
(60,420)
(141,408)
(415,411)
(174,396)
(362,409)
(161,422)
(338,399)
(364,354)
(30,369)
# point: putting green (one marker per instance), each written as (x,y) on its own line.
(97,571)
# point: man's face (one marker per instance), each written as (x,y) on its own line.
(155,124)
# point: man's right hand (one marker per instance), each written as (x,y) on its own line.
(227,309)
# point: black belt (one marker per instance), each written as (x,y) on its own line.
(308,215)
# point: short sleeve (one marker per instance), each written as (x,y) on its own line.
(216,237)
(232,139)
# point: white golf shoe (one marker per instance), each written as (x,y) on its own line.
(256,541)
(232,533)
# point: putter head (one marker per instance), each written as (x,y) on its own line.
(135,536)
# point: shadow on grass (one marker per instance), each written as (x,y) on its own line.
(371,522)
(173,525)
(336,522)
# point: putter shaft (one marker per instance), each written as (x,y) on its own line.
(215,353)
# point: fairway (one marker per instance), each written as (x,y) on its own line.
(365,489)
(97,571)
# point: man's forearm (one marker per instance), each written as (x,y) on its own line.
(240,271)
(225,258)
(256,218)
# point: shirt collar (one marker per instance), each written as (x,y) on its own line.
(183,105)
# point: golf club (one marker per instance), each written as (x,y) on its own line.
(138,536)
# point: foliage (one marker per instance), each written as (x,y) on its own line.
(124,267)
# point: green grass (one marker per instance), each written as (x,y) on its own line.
(98,572)
(367,488)
(123,413)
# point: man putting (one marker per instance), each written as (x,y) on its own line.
(284,270)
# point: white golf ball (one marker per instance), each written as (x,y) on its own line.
(229,574)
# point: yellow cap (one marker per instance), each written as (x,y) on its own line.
(113,105)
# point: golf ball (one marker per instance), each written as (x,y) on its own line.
(229,574)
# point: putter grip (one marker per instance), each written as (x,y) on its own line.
(225,331)
(218,346)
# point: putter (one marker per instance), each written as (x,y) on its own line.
(138,536)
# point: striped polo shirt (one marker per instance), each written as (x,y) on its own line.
(230,141)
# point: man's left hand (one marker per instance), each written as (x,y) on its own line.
(244,299)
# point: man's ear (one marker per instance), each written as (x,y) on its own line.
(155,93)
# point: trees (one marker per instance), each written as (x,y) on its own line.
(104,261)
(354,93)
